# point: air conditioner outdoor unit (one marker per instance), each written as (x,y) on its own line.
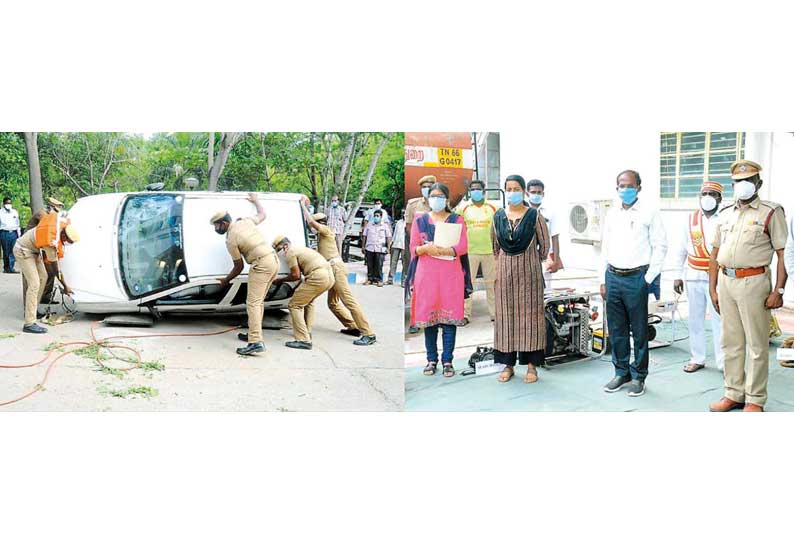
(586,219)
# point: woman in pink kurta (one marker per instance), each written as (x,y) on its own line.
(438,284)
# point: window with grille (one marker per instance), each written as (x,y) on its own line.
(689,158)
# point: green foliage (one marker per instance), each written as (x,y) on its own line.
(75,164)
(135,391)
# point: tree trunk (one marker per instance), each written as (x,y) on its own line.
(227,143)
(34,171)
(210,151)
(367,180)
(345,164)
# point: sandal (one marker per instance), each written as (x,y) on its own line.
(693,367)
(449,370)
(532,375)
(430,368)
(506,374)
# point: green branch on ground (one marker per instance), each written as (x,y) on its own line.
(135,391)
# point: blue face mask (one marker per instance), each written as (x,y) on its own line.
(376,219)
(535,199)
(334,203)
(515,198)
(477,195)
(628,195)
(425,192)
(437,203)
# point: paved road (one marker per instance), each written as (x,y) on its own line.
(204,373)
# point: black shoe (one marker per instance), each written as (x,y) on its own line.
(353,332)
(616,383)
(243,337)
(636,388)
(413,329)
(34,328)
(366,340)
(303,345)
(40,314)
(251,348)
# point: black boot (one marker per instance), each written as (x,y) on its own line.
(251,348)
(303,345)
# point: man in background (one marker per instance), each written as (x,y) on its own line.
(537,192)
(9,233)
(377,240)
(478,216)
(692,262)
(337,218)
(397,248)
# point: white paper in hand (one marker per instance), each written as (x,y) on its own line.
(447,235)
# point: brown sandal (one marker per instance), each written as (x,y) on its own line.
(506,374)
(532,375)
(693,367)
(430,368)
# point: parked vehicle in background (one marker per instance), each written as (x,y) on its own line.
(354,233)
(156,251)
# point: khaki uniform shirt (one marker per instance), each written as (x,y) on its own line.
(307,260)
(245,240)
(744,240)
(326,243)
(27,245)
(415,206)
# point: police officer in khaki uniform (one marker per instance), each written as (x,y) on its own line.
(414,207)
(244,240)
(748,233)
(340,296)
(318,278)
(34,273)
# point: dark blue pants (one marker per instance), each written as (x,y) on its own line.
(627,316)
(7,240)
(448,333)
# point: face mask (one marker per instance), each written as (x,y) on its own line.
(7,206)
(378,205)
(376,220)
(437,203)
(477,195)
(515,198)
(708,203)
(744,190)
(425,191)
(535,199)
(628,195)
(334,204)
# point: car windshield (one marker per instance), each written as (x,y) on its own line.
(150,243)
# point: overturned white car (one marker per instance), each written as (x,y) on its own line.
(156,251)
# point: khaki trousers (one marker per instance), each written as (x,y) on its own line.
(35,275)
(301,306)
(488,264)
(745,331)
(260,276)
(341,296)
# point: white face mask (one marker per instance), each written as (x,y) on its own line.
(744,190)
(708,203)
(7,206)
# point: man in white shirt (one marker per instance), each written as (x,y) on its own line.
(537,191)
(337,217)
(692,263)
(397,247)
(633,248)
(9,233)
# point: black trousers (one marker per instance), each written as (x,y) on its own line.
(7,240)
(375,266)
(524,358)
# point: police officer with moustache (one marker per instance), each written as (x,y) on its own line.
(244,240)
(749,233)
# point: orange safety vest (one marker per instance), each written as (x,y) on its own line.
(48,233)
(699,261)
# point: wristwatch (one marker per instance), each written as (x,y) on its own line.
(781,291)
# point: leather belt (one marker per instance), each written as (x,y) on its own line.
(743,273)
(627,272)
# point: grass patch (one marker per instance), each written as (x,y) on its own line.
(8,335)
(150,366)
(135,391)
(52,346)
(118,373)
